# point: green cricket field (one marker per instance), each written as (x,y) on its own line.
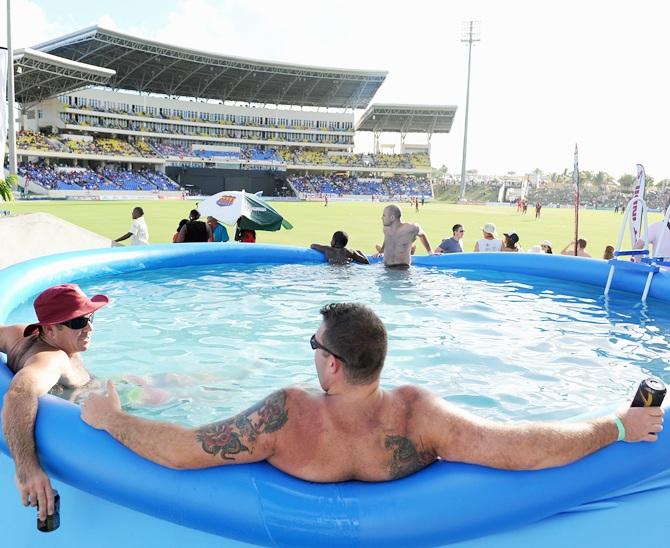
(313,222)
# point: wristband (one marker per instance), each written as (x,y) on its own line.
(621,428)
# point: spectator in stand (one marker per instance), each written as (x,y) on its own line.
(547,247)
(138,232)
(489,243)
(337,253)
(219,232)
(511,242)
(609,253)
(453,244)
(581,246)
(176,234)
(194,230)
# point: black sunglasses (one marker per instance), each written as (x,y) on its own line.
(316,344)
(78,323)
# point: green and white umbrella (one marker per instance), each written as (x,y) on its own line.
(253,212)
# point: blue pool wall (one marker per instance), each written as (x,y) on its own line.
(258,504)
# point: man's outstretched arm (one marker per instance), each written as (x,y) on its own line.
(463,437)
(424,240)
(18,423)
(246,437)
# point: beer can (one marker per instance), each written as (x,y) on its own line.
(53,521)
(650,393)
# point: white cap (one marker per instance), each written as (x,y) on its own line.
(546,242)
(490,228)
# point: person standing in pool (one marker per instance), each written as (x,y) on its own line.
(44,357)
(337,252)
(398,238)
(353,430)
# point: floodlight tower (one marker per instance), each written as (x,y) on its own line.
(470,33)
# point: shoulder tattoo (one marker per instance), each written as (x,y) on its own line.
(406,459)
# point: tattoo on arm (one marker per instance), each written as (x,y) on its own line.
(406,459)
(239,434)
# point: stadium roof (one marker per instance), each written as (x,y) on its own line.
(152,67)
(407,118)
(38,76)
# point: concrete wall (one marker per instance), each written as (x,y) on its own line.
(37,234)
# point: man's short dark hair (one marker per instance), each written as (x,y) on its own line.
(456,228)
(582,243)
(340,239)
(139,210)
(194,215)
(355,333)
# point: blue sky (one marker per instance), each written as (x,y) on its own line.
(546,75)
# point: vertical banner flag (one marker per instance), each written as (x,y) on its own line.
(637,209)
(575,184)
(3,104)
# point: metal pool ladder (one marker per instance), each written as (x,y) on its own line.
(646,264)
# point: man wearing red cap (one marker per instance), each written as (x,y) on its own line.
(43,356)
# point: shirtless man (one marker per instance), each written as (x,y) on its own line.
(44,357)
(337,252)
(354,430)
(398,238)
(580,247)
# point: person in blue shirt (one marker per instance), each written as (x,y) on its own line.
(219,232)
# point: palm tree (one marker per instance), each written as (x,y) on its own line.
(6,186)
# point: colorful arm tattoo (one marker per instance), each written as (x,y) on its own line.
(238,434)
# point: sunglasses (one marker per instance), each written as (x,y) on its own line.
(316,344)
(78,323)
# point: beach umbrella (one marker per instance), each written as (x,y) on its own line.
(252,212)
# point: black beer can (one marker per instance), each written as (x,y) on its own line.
(650,393)
(53,521)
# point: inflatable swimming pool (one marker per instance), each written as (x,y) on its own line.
(112,497)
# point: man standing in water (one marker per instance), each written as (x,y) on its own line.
(398,238)
(44,357)
(337,252)
(354,430)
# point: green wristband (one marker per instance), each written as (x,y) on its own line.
(621,428)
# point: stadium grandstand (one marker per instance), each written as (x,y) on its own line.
(106,113)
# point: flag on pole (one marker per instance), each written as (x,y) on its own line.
(637,210)
(3,104)
(575,184)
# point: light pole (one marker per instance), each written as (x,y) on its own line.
(469,35)
(10,94)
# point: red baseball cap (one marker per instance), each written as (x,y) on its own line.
(61,303)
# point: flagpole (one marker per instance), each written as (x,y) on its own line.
(10,94)
(575,182)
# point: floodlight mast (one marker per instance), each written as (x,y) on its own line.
(469,35)
(11,115)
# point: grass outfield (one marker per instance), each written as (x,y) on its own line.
(362,220)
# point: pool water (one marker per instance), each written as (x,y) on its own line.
(197,344)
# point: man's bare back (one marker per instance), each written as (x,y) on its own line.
(328,438)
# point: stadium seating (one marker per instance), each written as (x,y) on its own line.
(29,140)
(68,178)
(391,187)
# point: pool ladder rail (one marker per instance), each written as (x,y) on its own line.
(650,264)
